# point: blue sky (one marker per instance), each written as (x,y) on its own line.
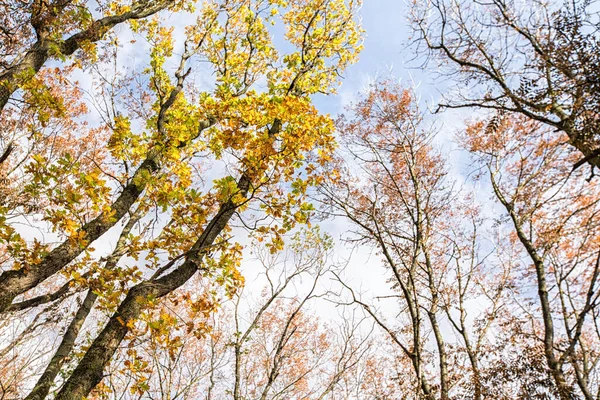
(387,34)
(386,54)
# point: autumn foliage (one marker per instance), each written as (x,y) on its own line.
(165,165)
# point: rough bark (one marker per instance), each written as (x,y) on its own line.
(43,385)
(89,371)
(61,292)
(16,282)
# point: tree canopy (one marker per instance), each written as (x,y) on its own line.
(180,218)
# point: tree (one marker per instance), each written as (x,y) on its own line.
(404,205)
(538,59)
(401,169)
(459,291)
(268,141)
(552,212)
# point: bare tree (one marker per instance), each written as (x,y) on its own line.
(535,58)
(531,176)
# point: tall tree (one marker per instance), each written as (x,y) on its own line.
(404,205)
(199,160)
(552,211)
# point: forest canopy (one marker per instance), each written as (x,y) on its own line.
(228,199)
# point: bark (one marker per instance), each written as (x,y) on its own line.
(237,351)
(406,286)
(6,153)
(60,293)
(410,295)
(477,393)
(441,346)
(43,385)
(89,372)
(211,378)
(574,332)
(462,329)
(432,314)
(16,282)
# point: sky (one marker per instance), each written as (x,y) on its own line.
(386,54)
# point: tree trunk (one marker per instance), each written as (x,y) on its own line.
(89,372)
(43,385)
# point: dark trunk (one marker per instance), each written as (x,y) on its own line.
(16,282)
(89,372)
(43,385)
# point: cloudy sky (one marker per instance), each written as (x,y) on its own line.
(386,54)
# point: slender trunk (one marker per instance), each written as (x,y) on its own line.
(237,347)
(441,346)
(470,352)
(565,390)
(411,297)
(474,366)
(421,381)
(43,385)
(432,314)
(574,332)
(462,328)
(213,367)
(582,380)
